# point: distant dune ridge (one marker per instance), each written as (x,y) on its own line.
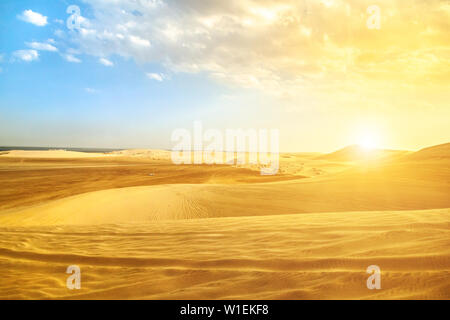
(141,227)
(358,153)
(50,154)
(441,151)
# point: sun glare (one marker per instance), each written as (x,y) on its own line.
(368,140)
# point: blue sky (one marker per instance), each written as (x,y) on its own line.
(53,102)
(135,70)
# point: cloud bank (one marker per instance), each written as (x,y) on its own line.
(265,42)
(26,55)
(320,53)
(33,17)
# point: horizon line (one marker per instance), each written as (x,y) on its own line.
(100,149)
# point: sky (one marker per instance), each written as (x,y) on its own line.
(127,73)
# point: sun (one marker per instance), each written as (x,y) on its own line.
(368,140)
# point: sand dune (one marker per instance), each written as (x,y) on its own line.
(49,154)
(143,153)
(357,153)
(235,192)
(440,152)
(140,227)
(307,256)
(181,201)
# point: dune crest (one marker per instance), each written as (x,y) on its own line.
(140,227)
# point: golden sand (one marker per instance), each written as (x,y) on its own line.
(140,227)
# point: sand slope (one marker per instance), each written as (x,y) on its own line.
(165,202)
(142,228)
(307,256)
(357,153)
(391,186)
(441,152)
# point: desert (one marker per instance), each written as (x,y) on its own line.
(141,227)
(225,150)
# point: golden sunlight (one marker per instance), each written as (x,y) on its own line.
(369,140)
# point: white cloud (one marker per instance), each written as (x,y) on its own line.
(33,17)
(90,90)
(26,55)
(83,22)
(105,62)
(286,47)
(41,46)
(59,21)
(242,42)
(155,76)
(139,41)
(71,58)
